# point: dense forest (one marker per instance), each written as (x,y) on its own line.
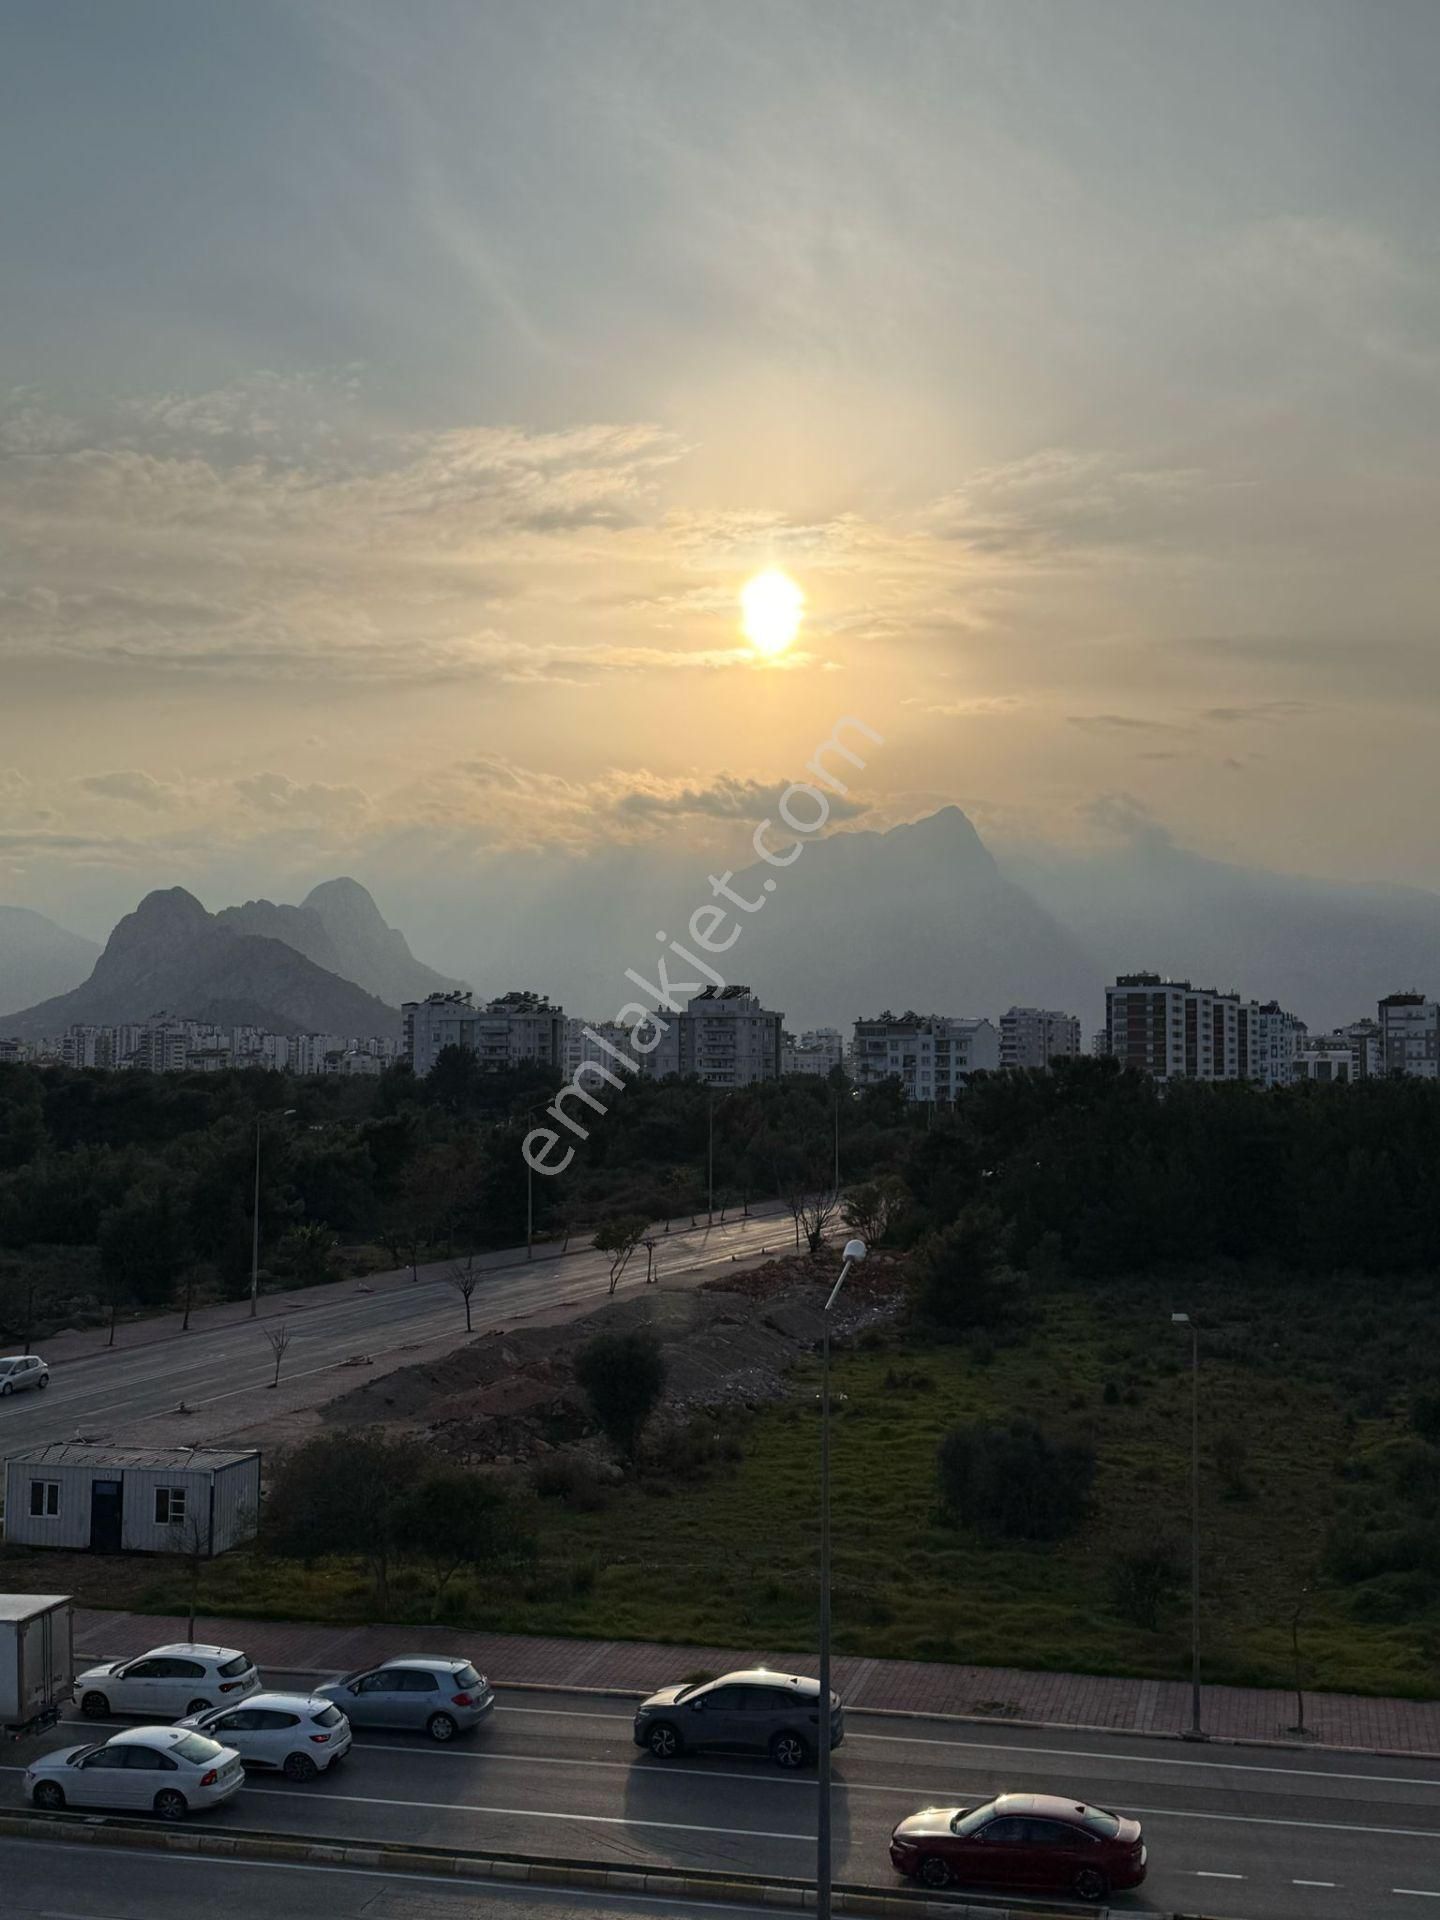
(126,1192)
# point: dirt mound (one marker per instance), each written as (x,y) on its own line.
(510,1396)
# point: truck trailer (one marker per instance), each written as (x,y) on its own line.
(37,1664)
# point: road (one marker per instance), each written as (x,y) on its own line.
(95,1883)
(1239,1832)
(222,1367)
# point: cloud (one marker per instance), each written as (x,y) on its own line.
(725,798)
(1062,503)
(1119,723)
(1256,710)
(140,789)
(276,793)
(1121,816)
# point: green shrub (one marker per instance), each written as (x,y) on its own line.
(1014,1482)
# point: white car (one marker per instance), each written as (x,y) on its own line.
(293,1732)
(167,1682)
(171,1771)
(21,1370)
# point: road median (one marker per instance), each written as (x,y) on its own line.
(596,1876)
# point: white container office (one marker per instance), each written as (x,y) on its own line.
(75,1493)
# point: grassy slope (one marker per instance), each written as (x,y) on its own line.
(732,1560)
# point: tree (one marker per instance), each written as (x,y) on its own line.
(962,1279)
(307,1253)
(143,1246)
(190,1543)
(817,1210)
(619,1235)
(455,1519)
(464,1280)
(346,1493)
(873,1207)
(1015,1482)
(278,1337)
(622,1376)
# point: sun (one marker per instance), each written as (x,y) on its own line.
(772,605)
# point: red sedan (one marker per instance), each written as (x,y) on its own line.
(1030,1840)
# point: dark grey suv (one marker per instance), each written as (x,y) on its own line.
(753,1712)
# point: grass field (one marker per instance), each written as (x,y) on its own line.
(732,1559)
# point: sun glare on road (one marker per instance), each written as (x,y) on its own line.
(772,605)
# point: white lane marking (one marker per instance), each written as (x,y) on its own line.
(512,1889)
(1060,1753)
(1418,1893)
(1312,1883)
(1202,1873)
(531,1813)
(1274,1820)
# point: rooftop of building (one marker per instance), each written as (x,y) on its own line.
(95,1453)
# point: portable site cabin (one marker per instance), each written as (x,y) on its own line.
(132,1499)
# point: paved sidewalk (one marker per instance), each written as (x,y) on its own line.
(1004,1694)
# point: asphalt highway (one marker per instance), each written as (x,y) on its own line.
(1242,1832)
(45,1882)
(222,1368)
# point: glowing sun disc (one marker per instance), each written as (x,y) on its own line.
(772,605)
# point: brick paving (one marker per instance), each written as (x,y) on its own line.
(1003,1694)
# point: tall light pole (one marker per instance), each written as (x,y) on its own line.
(710,1155)
(1184,1320)
(255,1224)
(854,1250)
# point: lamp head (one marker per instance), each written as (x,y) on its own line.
(1180,1319)
(854,1249)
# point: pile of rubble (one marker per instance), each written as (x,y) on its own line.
(508,1398)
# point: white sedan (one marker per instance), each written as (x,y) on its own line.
(171,1771)
(292,1732)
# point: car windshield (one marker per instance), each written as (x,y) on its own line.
(682,1693)
(195,1748)
(328,1717)
(237,1665)
(81,1753)
(1101,1822)
(467,1677)
(964,1824)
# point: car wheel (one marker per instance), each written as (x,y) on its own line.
(5,1389)
(95,1706)
(171,1805)
(664,1741)
(43,1381)
(789,1750)
(441,1727)
(50,1795)
(299,1766)
(1091,1884)
(933,1871)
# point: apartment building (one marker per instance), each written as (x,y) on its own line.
(501,1033)
(1174,1030)
(818,1051)
(1410,1035)
(931,1055)
(724,1037)
(1034,1036)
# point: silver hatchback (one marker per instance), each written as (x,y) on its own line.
(441,1697)
(21,1370)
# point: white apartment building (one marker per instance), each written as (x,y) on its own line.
(501,1033)
(1176,1031)
(581,1047)
(1279,1037)
(817,1051)
(724,1037)
(1034,1036)
(1410,1035)
(932,1055)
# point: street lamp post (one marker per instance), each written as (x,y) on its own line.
(255,1224)
(1184,1320)
(710,1155)
(854,1250)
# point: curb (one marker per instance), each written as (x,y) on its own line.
(588,1875)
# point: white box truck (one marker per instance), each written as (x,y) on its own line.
(37,1665)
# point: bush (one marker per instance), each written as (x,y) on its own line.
(622,1375)
(572,1481)
(1425,1412)
(1231,1458)
(1015,1482)
(1143,1579)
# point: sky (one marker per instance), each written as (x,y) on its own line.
(394,402)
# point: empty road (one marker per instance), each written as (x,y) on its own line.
(1236,1832)
(221,1369)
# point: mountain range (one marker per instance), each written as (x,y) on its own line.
(924,916)
(330,965)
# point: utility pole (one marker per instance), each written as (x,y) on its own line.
(710,1156)
(255,1232)
(855,1250)
(1184,1320)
